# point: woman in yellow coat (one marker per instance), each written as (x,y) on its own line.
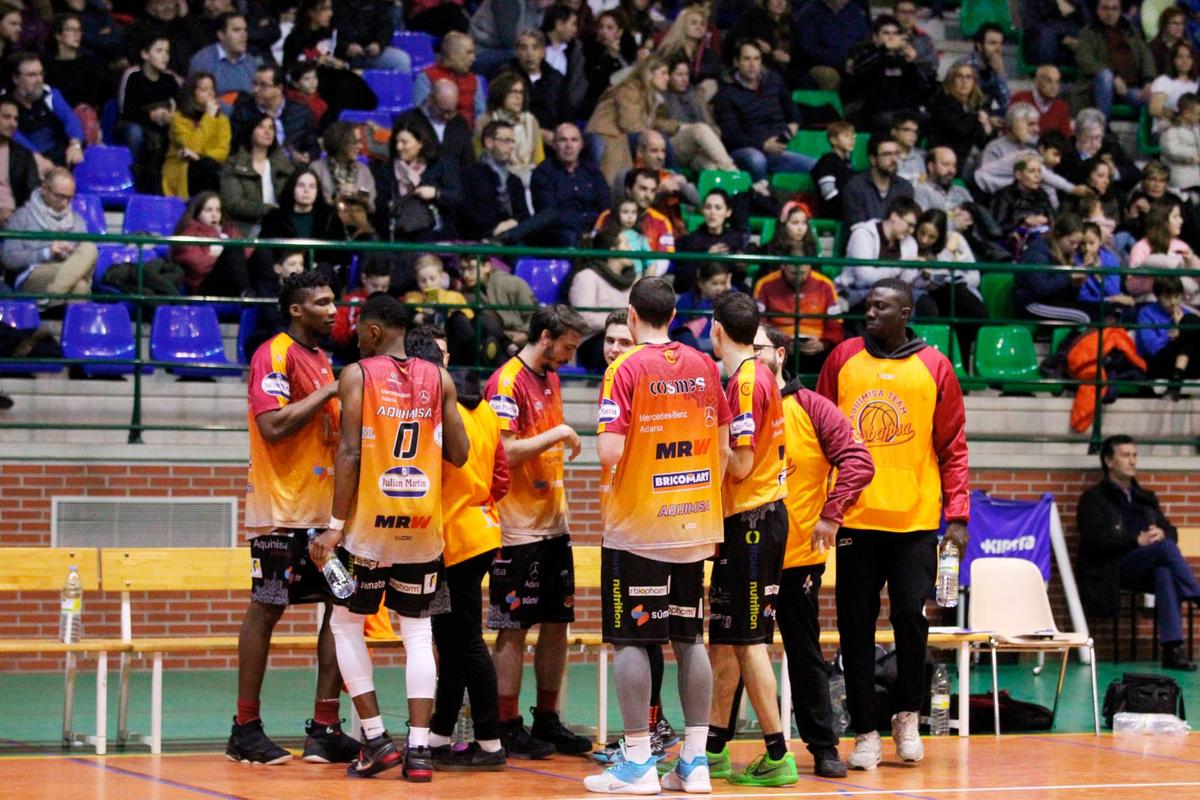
(199,140)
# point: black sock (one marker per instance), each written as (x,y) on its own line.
(717,739)
(776,745)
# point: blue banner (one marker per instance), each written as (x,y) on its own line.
(1008,529)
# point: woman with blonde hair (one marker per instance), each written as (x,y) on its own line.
(959,119)
(690,37)
(508,101)
(198,140)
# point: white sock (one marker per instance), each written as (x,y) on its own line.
(637,748)
(489,745)
(695,737)
(418,737)
(436,740)
(372,727)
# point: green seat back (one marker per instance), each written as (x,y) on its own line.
(942,339)
(1006,353)
(768,231)
(810,143)
(732,181)
(974,13)
(997,288)
(793,182)
(817,98)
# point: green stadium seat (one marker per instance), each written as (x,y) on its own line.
(1060,335)
(693,221)
(997,288)
(819,97)
(858,157)
(836,229)
(975,13)
(942,339)
(1005,355)
(732,181)
(1122,111)
(1146,142)
(810,143)
(793,182)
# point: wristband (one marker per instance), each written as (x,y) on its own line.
(336,524)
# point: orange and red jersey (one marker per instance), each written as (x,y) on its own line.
(290,483)
(396,517)
(666,400)
(528,404)
(757,423)
(469,493)
(654,225)
(907,408)
(817,296)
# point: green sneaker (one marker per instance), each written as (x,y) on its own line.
(719,765)
(762,771)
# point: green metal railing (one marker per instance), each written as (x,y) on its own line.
(752,264)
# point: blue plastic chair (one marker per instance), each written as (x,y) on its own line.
(154,214)
(393,89)
(112,254)
(418,45)
(105,171)
(381,117)
(99,331)
(544,275)
(91,208)
(247,322)
(23,315)
(189,335)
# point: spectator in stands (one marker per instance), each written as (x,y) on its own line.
(454,63)
(83,79)
(18,170)
(302,213)
(460,334)
(604,55)
(938,191)
(1046,96)
(716,234)
(1023,207)
(495,208)
(198,141)
(1178,79)
(692,324)
(313,38)
(147,99)
(640,27)
(163,19)
(674,189)
(341,174)
(757,117)
(834,170)
(906,132)
(1171,341)
(888,239)
(1164,225)
(1114,60)
(295,128)
(684,101)
(599,283)
(215,269)
(769,24)
(437,17)
(10,36)
(254,177)
(495,26)
(1091,142)
(1020,134)
(886,75)
(1172,29)
(687,43)
(304,88)
(1150,192)
(1126,542)
(55,267)
(1099,181)
(905,12)
(1051,29)
(493,287)
(46,125)
(828,32)
(987,57)
(227,59)
(959,115)
(641,186)
(869,194)
(101,35)
(1053,295)
(544,85)
(1181,145)
(568,194)
(419,189)
(364,36)
(376,278)
(564,52)
(946,293)
(440,120)
(508,102)
(1098,289)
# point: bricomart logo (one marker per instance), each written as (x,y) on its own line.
(689,479)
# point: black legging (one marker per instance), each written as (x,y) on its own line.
(230,276)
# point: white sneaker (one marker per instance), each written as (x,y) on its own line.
(625,777)
(908,739)
(868,751)
(691,777)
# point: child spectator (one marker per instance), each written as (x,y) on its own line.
(1096,287)
(304,88)
(147,100)
(693,310)
(432,283)
(210,269)
(833,170)
(623,221)
(376,278)
(1181,146)
(1170,348)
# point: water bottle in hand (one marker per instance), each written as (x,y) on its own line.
(939,702)
(70,622)
(947,575)
(336,575)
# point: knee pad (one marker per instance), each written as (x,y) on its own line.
(354,661)
(420,670)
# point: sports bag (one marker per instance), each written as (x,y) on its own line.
(1142,693)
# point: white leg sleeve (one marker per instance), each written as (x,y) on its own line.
(420,671)
(353,659)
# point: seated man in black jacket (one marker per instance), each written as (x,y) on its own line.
(545,85)
(887,75)
(1126,542)
(495,206)
(21,178)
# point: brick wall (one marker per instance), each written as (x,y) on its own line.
(26,490)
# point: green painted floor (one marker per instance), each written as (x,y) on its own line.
(199,704)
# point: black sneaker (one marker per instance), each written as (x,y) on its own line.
(667,734)
(327,744)
(374,756)
(609,754)
(518,742)
(549,728)
(248,744)
(827,764)
(471,758)
(418,764)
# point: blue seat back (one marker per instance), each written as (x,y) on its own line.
(91,208)
(418,45)
(105,171)
(148,213)
(382,117)
(544,276)
(247,322)
(186,334)
(20,314)
(393,89)
(98,330)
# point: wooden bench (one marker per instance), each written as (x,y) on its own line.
(45,569)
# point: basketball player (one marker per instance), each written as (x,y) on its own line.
(664,435)
(293,421)
(399,420)
(533,575)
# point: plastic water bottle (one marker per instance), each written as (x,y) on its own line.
(464,728)
(947,575)
(336,575)
(1161,724)
(837,702)
(70,621)
(939,702)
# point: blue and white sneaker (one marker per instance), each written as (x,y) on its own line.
(689,776)
(626,777)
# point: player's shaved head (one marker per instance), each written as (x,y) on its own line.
(654,301)
(386,312)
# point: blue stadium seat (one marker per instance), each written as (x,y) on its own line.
(23,315)
(112,254)
(419,47)
(91,208)
(381,117)
(105,171)
(99,331)
(154,214)
(393,89)
(189,335)
(544,275)
(247,322)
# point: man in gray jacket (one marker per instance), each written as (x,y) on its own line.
(52,267)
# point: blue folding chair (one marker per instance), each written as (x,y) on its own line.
(23,315)
(544,276)
(247,322)
(392,89)
(99,331)
(189,335)
(91,208)
(419,47)
(381,117)
(112,254)
(105,171)
(155,215)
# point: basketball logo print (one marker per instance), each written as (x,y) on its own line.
(669,355)
(880,423)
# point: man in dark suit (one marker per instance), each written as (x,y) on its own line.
(496,207)
(439,116)
(295,128)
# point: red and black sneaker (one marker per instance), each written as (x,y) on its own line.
(374,757)
(418,764)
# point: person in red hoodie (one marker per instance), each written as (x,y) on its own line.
(376,278)
(210,269)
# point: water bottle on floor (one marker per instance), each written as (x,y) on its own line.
(1161,724)
(70,622)
(464,728)
(939,702)
(947,575)
(336,575)
(837,702)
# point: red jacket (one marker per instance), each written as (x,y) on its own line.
(1055,117)
(197,260)
(467,84)
(347,316)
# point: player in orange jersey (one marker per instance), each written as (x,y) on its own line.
(533,575)
(819,440)
(399,421)
(293,422)
(663,434)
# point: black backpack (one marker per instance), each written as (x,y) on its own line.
(1142,693)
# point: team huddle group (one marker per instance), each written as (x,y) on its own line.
(420,483)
